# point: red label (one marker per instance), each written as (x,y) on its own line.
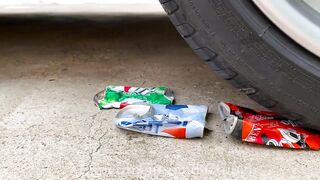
(268,128)
(126,88)
(123,105)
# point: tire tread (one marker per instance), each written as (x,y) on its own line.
(196,42)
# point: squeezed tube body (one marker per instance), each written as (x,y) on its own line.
(267,128)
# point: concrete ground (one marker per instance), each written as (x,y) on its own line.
(50,68)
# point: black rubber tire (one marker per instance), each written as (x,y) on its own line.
(245,48)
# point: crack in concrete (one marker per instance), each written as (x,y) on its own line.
(93,117)
(88,166)
(95,150)
(99,140)
(91,155)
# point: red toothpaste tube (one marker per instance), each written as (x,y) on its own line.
(267,128)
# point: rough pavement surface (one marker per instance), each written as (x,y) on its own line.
(51,68)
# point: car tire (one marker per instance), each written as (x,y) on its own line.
(249,51)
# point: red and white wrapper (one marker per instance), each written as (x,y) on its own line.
(267,128)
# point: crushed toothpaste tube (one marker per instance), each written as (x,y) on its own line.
(177,121)
(121,96)
(266,128)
